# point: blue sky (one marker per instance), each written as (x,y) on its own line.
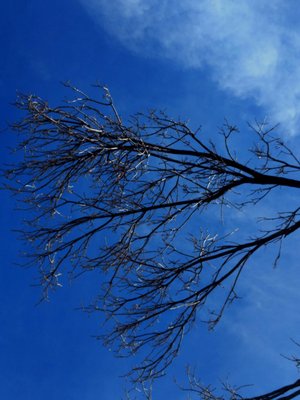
(202,61)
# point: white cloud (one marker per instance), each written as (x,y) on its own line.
(251,47)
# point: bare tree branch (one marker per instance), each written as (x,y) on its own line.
(125,197)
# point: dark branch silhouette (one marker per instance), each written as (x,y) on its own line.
(198,389)
(126,198)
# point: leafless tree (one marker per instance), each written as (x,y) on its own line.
(127,198)
(197,390)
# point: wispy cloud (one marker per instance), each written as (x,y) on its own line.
(251,47)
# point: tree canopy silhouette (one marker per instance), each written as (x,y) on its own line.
(127,198)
